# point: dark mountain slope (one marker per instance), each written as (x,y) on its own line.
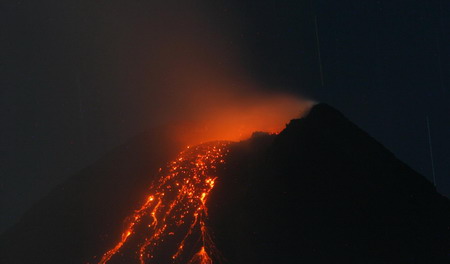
(326,192)
(322,191)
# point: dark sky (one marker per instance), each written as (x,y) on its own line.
(80,77)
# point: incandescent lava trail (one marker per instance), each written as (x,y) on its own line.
(170,226)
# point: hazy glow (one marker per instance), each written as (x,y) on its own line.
(237,119)
(192,77)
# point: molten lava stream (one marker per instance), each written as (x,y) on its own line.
(171,225)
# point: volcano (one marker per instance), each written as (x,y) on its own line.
(320,191)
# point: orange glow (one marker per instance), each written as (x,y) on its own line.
(230,118)
(201,257)
(176,208)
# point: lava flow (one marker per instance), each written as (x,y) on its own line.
(170,226)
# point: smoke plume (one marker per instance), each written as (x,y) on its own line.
(188,64)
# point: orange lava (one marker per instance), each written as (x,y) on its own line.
(174,214)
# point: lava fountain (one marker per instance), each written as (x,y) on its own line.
(171,225)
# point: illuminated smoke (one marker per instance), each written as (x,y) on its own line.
(187,69)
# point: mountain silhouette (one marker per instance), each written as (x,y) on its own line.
(324,191)
(321,191)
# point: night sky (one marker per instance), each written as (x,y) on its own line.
(81,77)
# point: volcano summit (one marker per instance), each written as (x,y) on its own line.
(320,191)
